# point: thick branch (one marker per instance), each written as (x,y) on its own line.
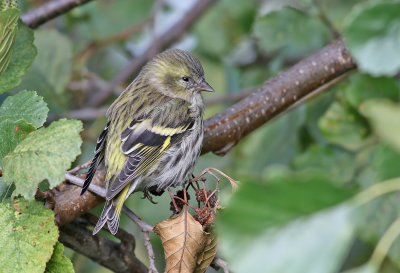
(48,11)
(119,257)
(69,204)
(174,33)
(225,129)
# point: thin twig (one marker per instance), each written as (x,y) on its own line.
(169,36)
(324,18)
(79,182)
(80,167)
(234,183)
(121,36)
(48,11)
(150,252)
(146,228)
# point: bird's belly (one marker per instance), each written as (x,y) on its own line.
(177,164)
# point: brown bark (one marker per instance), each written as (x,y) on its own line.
(118,257)
(225,129)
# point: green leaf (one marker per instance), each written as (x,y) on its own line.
(12,133)
(291,30)
(54,58)
(58,262)
(327,160)
(372,35)
(238,17)
(45,154)
(263,148)
(286,220)
(362,87)
(256,207)
(28,234)
(374,218)
(20,115)
(343,126)
(22,56)
(26,105)
(385,119)
(8,30)
(8,4)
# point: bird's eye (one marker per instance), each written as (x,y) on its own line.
(186,79)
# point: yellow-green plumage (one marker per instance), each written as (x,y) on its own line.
(154,132)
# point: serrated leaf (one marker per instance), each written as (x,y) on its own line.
(372,35)
(26,105)
(19,115)
(8,30)
(12,133)
(22,56)
(385,119)
(45,154)
(207,255)
(182,238)
(28,234)
(58,262)
(343,126)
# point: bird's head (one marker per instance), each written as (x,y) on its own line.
(177,73)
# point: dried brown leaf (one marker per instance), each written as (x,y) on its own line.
(205,258)
(182,238)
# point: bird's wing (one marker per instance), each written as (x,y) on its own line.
(146,139)
(98,158)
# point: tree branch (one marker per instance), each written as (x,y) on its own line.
(160,42)
(48,11)
(224,130)
(118,257)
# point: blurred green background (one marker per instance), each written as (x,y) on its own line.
(298,171)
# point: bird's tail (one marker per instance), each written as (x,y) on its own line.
(111,213)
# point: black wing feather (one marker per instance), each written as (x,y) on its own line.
(98,158)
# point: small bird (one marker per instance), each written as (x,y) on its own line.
(154,133)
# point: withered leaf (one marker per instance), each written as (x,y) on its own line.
(182,238)
(207,255)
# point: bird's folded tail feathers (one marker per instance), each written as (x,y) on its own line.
(111,213)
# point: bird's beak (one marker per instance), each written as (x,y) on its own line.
(204,86)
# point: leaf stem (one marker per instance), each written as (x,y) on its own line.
(377,190)
(385,243)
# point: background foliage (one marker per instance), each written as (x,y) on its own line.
(305,202)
